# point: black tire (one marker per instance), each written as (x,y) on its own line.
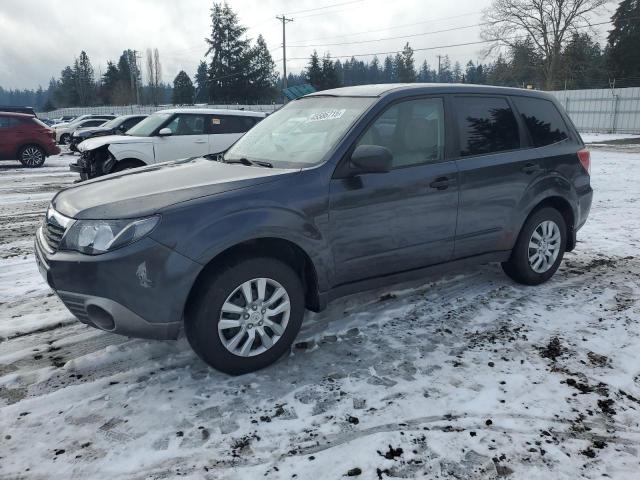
(123,165)
(518,267)
(32,156)
(203,315)
(64,139)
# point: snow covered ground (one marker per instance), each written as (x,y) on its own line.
(607,137)
(467,376)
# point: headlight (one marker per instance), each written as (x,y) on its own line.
(99,236)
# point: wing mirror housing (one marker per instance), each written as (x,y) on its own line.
(370,159)
(165,132)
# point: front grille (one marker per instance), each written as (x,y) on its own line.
(53,235)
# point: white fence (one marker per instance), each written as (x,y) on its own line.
(130,109)
(613,110)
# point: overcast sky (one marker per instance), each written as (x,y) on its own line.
(38,38)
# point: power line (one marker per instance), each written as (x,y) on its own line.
(393,27)
(322,8)
(491,40)
(395,38)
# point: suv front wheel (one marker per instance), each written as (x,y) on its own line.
(246,316)
(539,249)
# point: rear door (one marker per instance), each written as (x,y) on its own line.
(7,140)
(404,219)
(188,138)
(224,130)
(495,171)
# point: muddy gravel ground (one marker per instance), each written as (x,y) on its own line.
(466,376)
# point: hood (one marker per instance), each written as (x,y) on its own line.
(93,143)
(84,132)
(144,191)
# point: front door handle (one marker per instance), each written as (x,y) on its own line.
(200,141)
(441,183)
(530,168)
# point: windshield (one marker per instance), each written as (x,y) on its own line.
(149,125)
(300,134)
(112,123)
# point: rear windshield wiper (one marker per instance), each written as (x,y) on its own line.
(246,161)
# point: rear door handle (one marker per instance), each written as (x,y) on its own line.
(441,183)
(530,168)
(200,141)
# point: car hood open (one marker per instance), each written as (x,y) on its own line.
(93,143)
(144,191)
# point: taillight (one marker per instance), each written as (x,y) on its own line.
(585,159)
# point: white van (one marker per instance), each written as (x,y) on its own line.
(165,135)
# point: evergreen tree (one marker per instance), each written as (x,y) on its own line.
(263,73)
(388,71)
(457,73)
(374,74)
(66,94)
(314,71)
(84,80)
(445,75)
(426,75)
(202,92)
(231,56)
(110,80)
(405,65)
(329,76)
(583,64)
(624,40)
(183,89)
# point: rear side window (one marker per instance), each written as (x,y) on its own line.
(544,122)
(229,124)
(9,122)
(485,125)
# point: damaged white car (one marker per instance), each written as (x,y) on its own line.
(166,135)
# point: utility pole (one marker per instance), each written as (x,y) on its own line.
(439,72)
(284,21)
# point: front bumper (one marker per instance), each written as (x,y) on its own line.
(139,290)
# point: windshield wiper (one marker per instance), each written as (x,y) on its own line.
(246,161)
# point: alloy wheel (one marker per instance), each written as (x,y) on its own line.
(32,157)
(254,317)
(544,246)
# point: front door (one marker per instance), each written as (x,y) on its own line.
(188,138)
(383,223)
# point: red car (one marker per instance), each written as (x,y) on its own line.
(23,137)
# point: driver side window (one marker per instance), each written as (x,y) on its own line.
(185,124)
(413,131)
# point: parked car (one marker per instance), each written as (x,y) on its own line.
(117,126)
(379,184)
(65,119)
(65,130)
(23,137)
(165,135)
(14,109)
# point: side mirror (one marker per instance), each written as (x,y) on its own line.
(371,159)
(165,132)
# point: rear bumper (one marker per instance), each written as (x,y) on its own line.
(139,290)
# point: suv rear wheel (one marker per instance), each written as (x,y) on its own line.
(539,249)
(247,315)
(32,156)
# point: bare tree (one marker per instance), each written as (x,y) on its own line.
(150,74)
(154,72)
(549,24)
(157,79)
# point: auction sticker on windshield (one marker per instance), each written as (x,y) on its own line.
(328,115)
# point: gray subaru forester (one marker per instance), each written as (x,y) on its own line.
(339,191)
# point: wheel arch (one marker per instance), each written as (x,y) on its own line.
(274,247)
(562,205)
